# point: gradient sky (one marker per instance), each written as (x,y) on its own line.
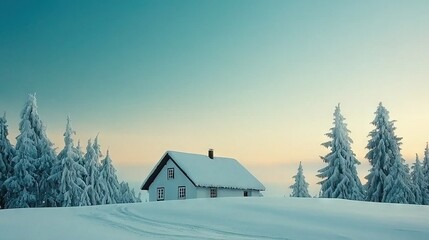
(255,80)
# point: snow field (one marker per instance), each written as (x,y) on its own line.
(227,218)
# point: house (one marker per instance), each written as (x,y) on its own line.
(179,175)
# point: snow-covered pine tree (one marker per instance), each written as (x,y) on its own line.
(94,188)
(398,185)
(80,160)
(97,150)
(80,154)
(137,198)
(45,155)
(388,178)
(420,185)
(128,195)
(7,152)
(300,187)
(46,162)
(84,198)
(22,187)
(125,194)
(340,179)
(425,169)
(66,175)
(111,189)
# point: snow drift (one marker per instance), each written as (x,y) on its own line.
(227,218)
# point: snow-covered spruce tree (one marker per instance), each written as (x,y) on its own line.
(340,179)
(80,154)
(399,187)
(93,185)
(97,150)
(300,187)
(420,185)
(46,162)
(7,152)
(22,187)
(388,178)
(65,175)
(426,169)
(45,155)
(111,188)
(137,198)
(85,199)
(128,195)
(80,160)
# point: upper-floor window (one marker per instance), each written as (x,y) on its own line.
(160,194)
(182,192)
(170,173)
(213,192)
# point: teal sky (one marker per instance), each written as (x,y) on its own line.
(256,80)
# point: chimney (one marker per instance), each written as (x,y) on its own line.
(211,153)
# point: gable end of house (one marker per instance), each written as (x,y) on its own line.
(152,176)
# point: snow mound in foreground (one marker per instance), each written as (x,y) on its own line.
(226,218)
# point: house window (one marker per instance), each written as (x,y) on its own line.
(170,173)
(246,193)
(160,194)
(213,192)
(182,192)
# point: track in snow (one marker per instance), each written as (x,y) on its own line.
(124,219)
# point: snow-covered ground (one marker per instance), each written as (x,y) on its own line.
(227,218)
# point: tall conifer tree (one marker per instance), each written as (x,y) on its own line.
(111,189)
(66,175)
(425,169)
(94,187)
(388,178)
(7,152)
(22,187)
(420,185)
(44,157)
(340,179)
(97,149)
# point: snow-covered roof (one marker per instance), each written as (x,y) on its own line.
(206,172)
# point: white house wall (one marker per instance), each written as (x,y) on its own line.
(171,185)
(256,193)
(225,192)
(203,192)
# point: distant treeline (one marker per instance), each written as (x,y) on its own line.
(32,174)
